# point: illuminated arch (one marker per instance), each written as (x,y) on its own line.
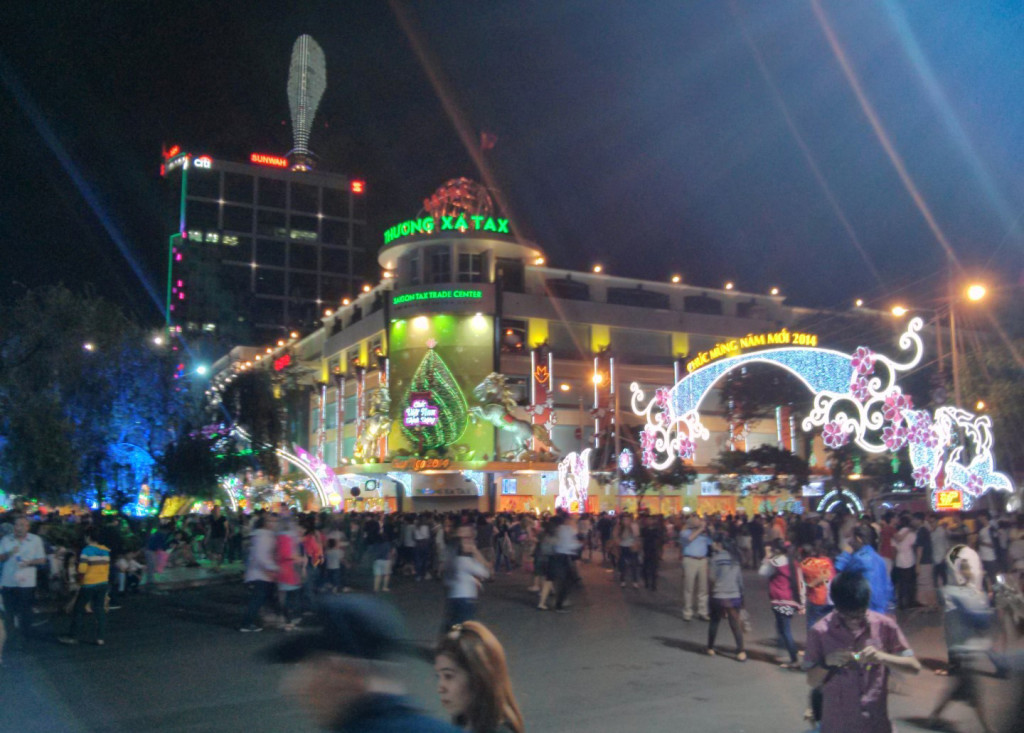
(856,399)
(294,460)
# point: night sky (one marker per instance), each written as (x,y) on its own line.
(717,139)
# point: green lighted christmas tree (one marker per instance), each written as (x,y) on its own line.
(434,381)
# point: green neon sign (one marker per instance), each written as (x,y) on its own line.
(438,295)
(460,223)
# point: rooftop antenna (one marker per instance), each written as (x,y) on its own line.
(307,79)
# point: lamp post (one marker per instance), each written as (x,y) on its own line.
(975,292)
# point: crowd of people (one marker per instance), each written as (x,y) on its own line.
(851,579)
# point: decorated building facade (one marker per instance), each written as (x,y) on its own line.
(477,375)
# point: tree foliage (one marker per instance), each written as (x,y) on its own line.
(77,418)
(753,392)
(766,459)
(250,403)
(994,374)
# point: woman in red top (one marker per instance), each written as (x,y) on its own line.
(288,564)
(785,592)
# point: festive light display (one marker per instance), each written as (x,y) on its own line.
(573,481)
(626,461)
(307,80)
(420,413)
(856,399)
(438,295)
(836,498)
(434,383)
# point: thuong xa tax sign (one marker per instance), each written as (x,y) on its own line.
(461,223)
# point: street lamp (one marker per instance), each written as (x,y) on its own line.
(899,311)
(976,292)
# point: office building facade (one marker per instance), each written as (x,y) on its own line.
(256,249)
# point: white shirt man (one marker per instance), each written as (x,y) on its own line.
(21,554)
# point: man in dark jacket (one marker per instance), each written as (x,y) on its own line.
(345,674)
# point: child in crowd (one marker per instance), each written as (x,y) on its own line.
(334,556)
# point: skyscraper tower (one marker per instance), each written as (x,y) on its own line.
(307,80)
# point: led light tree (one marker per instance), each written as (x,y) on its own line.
(434,383)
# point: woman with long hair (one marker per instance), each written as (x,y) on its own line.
(473,681)
(785,592)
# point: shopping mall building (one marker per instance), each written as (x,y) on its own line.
(474,366)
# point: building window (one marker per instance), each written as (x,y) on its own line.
(513,336)
(331,453)
(439,260)
(331,417)
(352,358)
(413,263)
(470,268)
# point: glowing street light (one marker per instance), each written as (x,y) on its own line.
(597,378)
(201,370)
(89,346)
(729,285)
(859,303)
(976,292)
(899,311)
(598,269)
(774,291)
(539,261)
(366,288)
(564,387)
(294,334)
(328,313)
(158,340)
(677,278)
(980,406)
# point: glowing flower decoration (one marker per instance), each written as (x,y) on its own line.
(975,486)
(834,435)
(894,437)
(923,432)
(863,361)
(859,389)
(661,397)
(686,448)
(922,476)
(895,403)
(647,440)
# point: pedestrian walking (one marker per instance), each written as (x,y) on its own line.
(628,540)
(22,554)
(726,576)
(473,681)
(904,572)
(968,624)
(652,538)
(860,557)
(785,592)
(347,675)
(694,544)
(566,546)
(465,569)
(260,570)
(94,582)
(849,656)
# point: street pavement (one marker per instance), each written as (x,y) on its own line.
(622,659)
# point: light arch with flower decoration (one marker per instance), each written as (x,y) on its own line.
(856,399)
